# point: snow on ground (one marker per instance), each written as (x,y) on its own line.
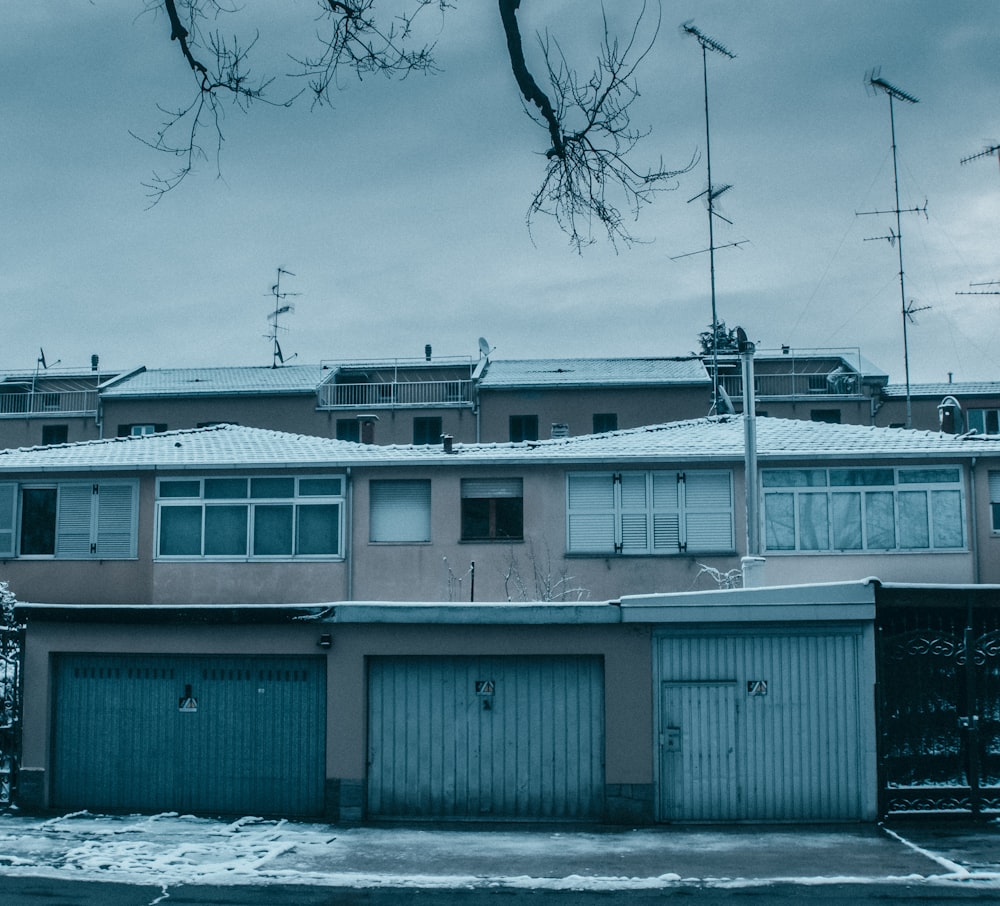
(172,849)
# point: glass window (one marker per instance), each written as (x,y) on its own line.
(912,509)
(54,434)
(275,488)
(225,531)
(605,421)
(38,521)
(349,429)
(427,430)
(492,509)
(272,530)
(994,482)
(318,532)
(523,427)
(180,531)
(225,488)
(238,518)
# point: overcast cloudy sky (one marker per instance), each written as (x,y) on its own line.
(402,211)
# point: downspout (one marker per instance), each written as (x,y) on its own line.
(975,522)
(750,446)
(348,536)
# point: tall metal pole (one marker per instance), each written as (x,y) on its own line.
(708,44)
(711,238)
(898,94)
(899,249)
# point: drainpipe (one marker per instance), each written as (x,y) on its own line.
(750,444)
(974,543)
(348,535)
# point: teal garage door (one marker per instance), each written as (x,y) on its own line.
(209,735)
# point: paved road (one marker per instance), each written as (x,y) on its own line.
(59,892)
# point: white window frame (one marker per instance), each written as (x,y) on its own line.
(298,501)
(95,520)
(823,493)
(994,486)
(650,513)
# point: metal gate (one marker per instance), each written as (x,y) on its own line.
(486,737)
(939,706)
(11,646)
(212,735)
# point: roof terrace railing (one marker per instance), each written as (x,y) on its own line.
(396,394)
(42,403)
(795,385)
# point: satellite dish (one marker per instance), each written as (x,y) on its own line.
(484,348)
(726,406)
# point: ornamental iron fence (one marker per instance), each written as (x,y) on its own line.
(939,706)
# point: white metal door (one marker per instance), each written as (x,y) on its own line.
(486,737)
(698,752)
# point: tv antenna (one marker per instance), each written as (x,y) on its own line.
(711,193)
(280,308)
(988,151)
(877,84)
(982,292)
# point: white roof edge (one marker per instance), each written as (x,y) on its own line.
(852,600)
(485,613)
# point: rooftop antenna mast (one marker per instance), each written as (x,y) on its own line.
(877,83)
(280,308)
(982,292)
(711,193)
(988,151)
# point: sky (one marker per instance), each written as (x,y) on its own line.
(401,211)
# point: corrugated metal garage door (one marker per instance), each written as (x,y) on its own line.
(760,725)
(219,735)
(486,737)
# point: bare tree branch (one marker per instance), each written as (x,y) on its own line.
(590,178)
(589,175)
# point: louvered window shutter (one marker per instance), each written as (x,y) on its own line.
(73,520)
(708,511)
(8,517)
(591,513)
(116,528)
(634,513)
(400,511)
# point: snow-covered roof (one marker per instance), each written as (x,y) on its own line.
(941,390)
(217,381)
(515,373)
(699,441)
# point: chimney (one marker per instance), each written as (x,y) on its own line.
(367,428)
(448,442)
(427,352)
(94,360)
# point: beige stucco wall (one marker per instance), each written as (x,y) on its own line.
(624,649)
(635,406)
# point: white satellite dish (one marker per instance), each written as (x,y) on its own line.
(484,348)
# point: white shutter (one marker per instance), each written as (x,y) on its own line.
(634,513)
(492,487)
(994,487)
(400,511)
(73,520)
(708,512)
(591,513)
(116,521)
(666,532)
(8,518)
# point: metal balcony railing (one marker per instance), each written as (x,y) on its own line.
(41,403)
(395,394)
(795,385)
